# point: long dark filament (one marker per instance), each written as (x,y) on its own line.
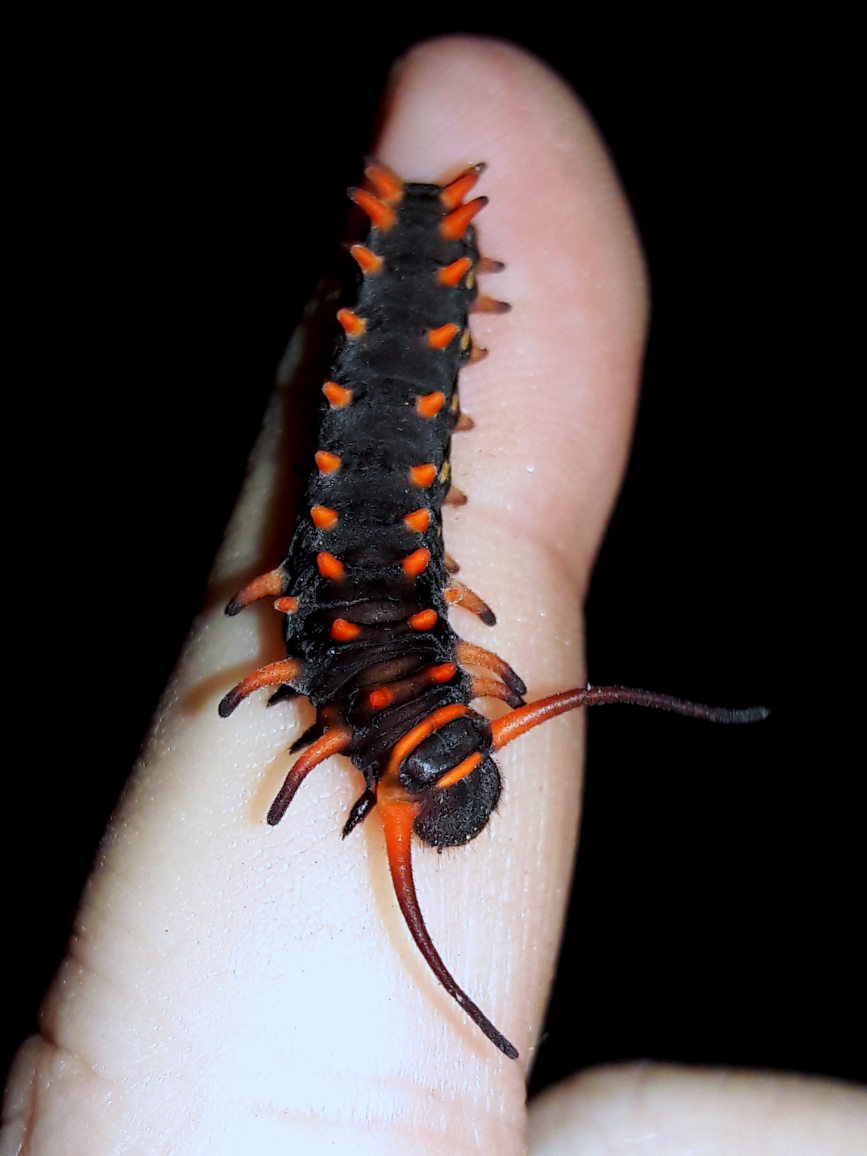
(397,820)
(515,723)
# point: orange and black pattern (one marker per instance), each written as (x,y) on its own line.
(366,586)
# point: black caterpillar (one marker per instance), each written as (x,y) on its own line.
(366,585)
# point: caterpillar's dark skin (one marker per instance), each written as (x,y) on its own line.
(366,587)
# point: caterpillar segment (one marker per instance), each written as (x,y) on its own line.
(366,587)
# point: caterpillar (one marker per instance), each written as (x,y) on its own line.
(366,586)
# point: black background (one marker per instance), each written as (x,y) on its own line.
(180,191)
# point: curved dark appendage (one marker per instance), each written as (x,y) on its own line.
(397,820)
(361,808)
(271,675)
(332,742)
(266,585)
(510,726)
(314,732)
(284,694)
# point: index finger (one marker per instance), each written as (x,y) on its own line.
(270,966)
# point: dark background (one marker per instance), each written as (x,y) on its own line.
(180,192)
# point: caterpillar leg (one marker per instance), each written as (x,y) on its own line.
(361,808)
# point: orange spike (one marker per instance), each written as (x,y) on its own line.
(460,595)
(464,423)
(471,655)
(386,182)
(477,354)
(418,521)
(444,673)
(329,566)
(271,675)
(286,605)
(455,224)
(381,216)
(327,463)
(439,338)
(486,265)
(483,304)
(452,274)
(353,325)
(322,517)
(492,688)
(422,475)
(380,698)
(453,194)
(429,404)
(416,563)
(339,397)
(334,740)
(450,564)
(261,587)
(424,620)
(368,261)
(343,631)
(460,771)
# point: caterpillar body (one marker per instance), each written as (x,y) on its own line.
(366,585)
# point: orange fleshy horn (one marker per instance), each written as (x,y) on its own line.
(261,587)
(386,182)
(453,194)
(331,743)
(382,217)
(398,812)
(272,675)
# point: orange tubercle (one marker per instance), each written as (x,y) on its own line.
(430,404)
(343,631)
(381,215)
(322,517)
(380,698)
(286,605)
(387,183)
(368,261)
(261,587)
(453,194)
(440,338)
(422,475)
(451,274)
(460,771)
(339,397)
(329,566)
(455,224)
(424,620)
(443,673)
(415,564)
(327,463)
(418,520)
(353,325)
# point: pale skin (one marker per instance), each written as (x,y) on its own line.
(236,988)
